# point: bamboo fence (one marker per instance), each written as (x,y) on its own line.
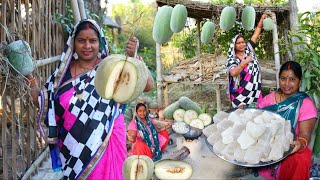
(21,143)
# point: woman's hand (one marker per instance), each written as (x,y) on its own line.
(132,46)
(132,136)
(260,24)
(297,145)
(32,83)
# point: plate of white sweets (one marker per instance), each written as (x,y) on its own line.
(250,137)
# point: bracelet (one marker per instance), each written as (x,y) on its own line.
(305,140)
(241,66)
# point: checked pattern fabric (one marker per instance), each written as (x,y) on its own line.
(246,87)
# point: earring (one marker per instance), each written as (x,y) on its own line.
(99,55)
(75,55)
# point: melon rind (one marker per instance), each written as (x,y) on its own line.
(178,18)
(161,32)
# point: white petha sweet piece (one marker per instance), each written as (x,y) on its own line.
(207,131)
(253,155)
(247,115)
(282,139)
(234,116)
(237,130)
(239,154)
(267,116)
(218,147)
(274,126)
(214,138)
(276,151)
(265,152)
(255,130)
(245,140)
(258,119)
(227,136)
(266,137)
(228,151)
(225,124)
(221,115)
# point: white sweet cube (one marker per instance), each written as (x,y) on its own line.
(227,136)
(276,151)
(207,131)
(245,140)
(258,119)
(221,115)
(239,154)
(229,150)
(223,125)
(218,147)
(255,130)
(253,155)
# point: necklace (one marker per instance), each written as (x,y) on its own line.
(80,95)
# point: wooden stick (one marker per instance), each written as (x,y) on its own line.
(75,11)
(4,118)
(82,9)
(36,163)
(13,136)
(42,62)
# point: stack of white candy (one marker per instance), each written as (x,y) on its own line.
(249,136)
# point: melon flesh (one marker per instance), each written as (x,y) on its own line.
(121,79)
(138,167)
(173,169)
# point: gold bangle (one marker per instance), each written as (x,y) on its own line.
(241,66)
(305,140)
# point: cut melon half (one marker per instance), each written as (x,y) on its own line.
(121,79)
(138,167)
(173,169)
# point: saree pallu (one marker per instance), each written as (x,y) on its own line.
(85,127)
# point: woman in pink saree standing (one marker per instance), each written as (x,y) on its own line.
(86,133)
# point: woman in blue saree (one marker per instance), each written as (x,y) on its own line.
(297,107)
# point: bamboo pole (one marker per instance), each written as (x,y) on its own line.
(5,159)
(3,19)
(166,94)
(13,17)
(28,141)
(199,47)
(75,11)
(276,47)
(50,28)
(13,137)
(82,9)
(43,62)
(159,75)
(35,165)
(33,12)
(218,96)
(19,18)
(27,19)
(22,137)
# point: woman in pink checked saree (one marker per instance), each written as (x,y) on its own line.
(86,133)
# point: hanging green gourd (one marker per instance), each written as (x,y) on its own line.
(19,55)
(267,24)
(161,32)
(227,18)
(178,18)
(248,18)
(207,32)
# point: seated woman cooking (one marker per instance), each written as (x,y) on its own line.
(147,139)
(297,107)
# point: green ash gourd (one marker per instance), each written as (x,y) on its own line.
(248,18)
(121,78)
(267,24)
(178,18)
(161,32)
(20,57)
(207,32)
(227,18)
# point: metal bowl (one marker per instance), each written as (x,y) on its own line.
(194,133)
